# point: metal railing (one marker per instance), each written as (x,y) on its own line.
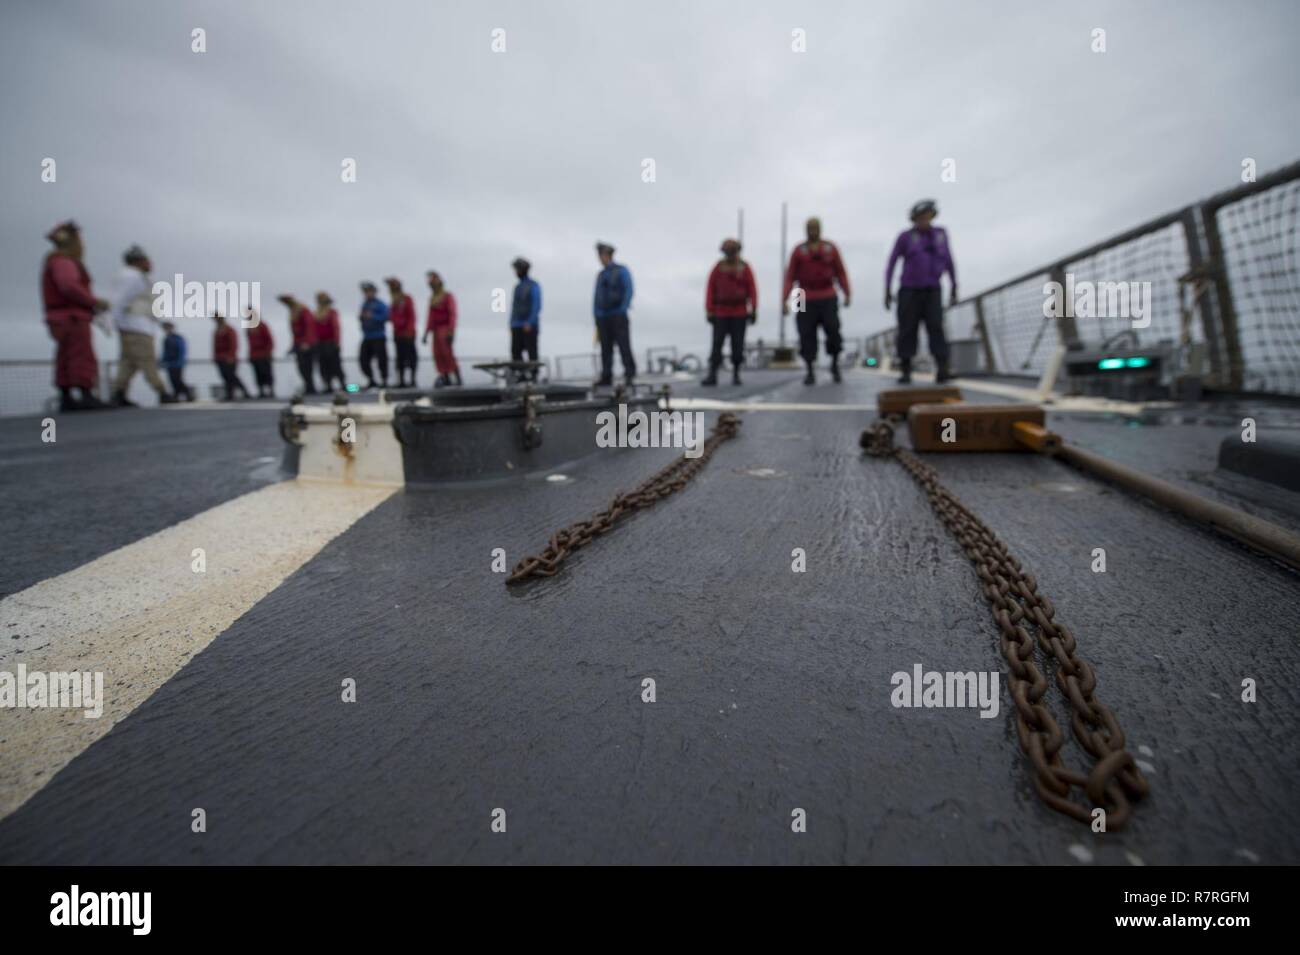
(1223,272)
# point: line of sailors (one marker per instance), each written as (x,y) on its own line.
(814,280)
(316,336)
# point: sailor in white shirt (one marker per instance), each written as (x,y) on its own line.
(133,315)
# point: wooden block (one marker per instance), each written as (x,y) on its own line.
(896,401)
(970,427)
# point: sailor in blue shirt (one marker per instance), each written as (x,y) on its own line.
(525,315)
(610,305)
(174,352)
(374,342)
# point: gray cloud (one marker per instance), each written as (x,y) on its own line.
(225,165)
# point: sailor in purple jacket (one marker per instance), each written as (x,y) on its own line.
(926,255)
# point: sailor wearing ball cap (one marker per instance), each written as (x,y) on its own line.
(525,314)
(926,254)
(730,304)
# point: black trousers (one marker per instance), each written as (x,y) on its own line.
(824,314)
(306,356)
(917,306)
(331,366)
(407,357)
(728,328)
(374,349)
(177,377)
(262,371)
(613,330)
(523,341)
(231,379)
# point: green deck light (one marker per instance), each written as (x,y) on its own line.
(1109,364)
(1137,362)
(352,389)
(871,363)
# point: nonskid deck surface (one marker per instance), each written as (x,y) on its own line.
(773,688)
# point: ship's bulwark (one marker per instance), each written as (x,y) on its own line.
(772,688)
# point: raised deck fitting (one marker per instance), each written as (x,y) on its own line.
(348,442)
(452,435)
(1274,458)
(497,433)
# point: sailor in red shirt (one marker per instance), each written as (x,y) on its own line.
(328,342)
(402,314)
(302,323)
(815,265)
(225,352)
(441,324)
(70,306)
(261,348)
(730,303)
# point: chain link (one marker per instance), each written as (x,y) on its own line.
(1114,781)
(579,534)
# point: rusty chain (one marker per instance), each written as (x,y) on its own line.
(672,478)
(1114,780)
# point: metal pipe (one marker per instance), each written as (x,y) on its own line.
(1276,542)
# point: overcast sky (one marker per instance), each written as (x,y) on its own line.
(226,165)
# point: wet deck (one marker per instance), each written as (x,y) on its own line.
(773,688)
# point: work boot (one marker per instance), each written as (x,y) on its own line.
(735,375)
(440,381)
(166,399)
(67,402)
(457,374)
(835,370)
(120,400)
(942,374)
(906,377)
(712,378)
(604,381)
(811,377)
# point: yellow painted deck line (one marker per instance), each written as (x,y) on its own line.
(140,613)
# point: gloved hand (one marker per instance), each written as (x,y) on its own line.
(889,301)
(752,318)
